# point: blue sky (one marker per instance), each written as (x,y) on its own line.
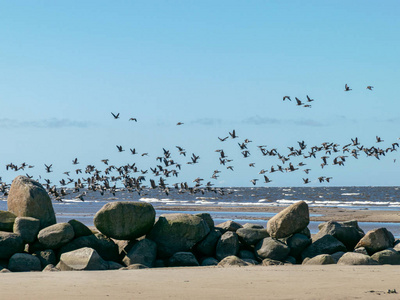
(213,65)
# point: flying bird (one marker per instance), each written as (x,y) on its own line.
(115,116)
(347,88)
(286,97)
(370,87)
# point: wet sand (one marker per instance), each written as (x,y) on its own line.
(253,282)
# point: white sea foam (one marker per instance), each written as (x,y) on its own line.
(350,194)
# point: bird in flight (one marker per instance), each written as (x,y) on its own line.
(286,97)
(347,88)
(179,123)
(298,101)
(115,116)
(120,148)
(370,87)
(233,134)
(133,119)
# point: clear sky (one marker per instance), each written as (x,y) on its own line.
(213,65)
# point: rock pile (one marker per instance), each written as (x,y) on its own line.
(129,237)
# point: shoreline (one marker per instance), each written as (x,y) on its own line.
(324,214)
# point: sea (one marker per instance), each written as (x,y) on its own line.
(354,197)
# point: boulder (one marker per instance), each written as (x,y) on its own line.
(322,259)
(252,225)
(28,198)
(24,262)
(272,248)
(376,240)
(143,252)
(297,243)
(291,220)
(7,220)
(82,259)
(232,261)
(125,220)
(55,236)
(347,232)
(51,268)
(353,258)
(80,229)
(271,262)
(251,236)
(27,227)
(207,218)
(228,226)
(183,259)
(10,243)
(177,233)
(104,246)
(206,247)
(247,254)
(227,245)
(337,255)
(387,257)
(209,261)
(112,265)
(325,245)
(46,257)
(361,250)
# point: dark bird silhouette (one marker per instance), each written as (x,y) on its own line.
(370,87)
(179,123)
(48,168)
(115,116)
(223,139)
(75,161)
(347,88)
(120,148)
(266,179)
(309,99)
(233,134)
(298,101)
(133,119)
(286,97)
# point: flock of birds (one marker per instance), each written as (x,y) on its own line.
(110,177)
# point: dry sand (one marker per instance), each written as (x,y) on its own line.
(254,282)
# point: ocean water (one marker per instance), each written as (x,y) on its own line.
(373,198)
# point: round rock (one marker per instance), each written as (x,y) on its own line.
(125,220)
(28,198)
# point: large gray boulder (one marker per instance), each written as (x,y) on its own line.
(7,220)
(183,259)
(27,227)
(177,233)
(353,258)
(291,220)
(251,236)
(322,259)
(55,236)
(297,243)
(104,246)
(232,261)
(228,226)
(376,240)
(272,248)
(325,245)
(347,232)
(387,257)
(143,252)
(227,245)
(125,220)
(10,243)
(207,246)
(207,218)
(24,262)
(28,198)
(82,259)
(80,229)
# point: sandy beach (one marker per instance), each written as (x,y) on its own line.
(253,282)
